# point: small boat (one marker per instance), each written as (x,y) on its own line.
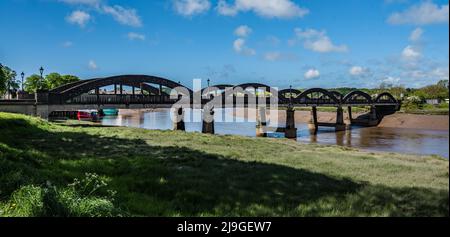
(89,115)
(111,112)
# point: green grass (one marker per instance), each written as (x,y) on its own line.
(135,172)
(427,109)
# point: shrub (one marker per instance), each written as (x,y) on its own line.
(87,197)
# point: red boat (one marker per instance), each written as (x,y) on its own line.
(89,115)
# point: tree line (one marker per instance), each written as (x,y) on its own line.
(10,85)
(440,91)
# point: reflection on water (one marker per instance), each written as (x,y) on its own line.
(413,141)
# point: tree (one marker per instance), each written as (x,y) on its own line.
(34,82)
(2,81)
(69,79)
(54,80)
(443,83)
(10,83)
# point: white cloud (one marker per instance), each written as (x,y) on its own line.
(391,80)
(135,36)
(422,14)
(317,41)
(416,34)
(191,7)
(441,73)
(78,17)
(243,31)
(267,8)
(358,71)
(279,56)
(411,53)
(92,65)
(272,56)
(125,16)
(240,47)
(312,73)
(67,44)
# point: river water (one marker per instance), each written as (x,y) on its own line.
(402,140)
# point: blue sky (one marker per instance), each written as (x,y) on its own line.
(304,43)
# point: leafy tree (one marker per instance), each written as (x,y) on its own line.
(69,79)
(54,80)
(443,83)
(2,81)
(435,92)
(10,83)
(34,82)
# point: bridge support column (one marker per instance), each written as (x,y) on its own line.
(261,122)
(373,113)
(350,115)
(340,125)
(178,123)
(208,120)
(291,130)
(313,124)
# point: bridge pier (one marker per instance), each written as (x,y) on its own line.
(350,116)
(291,130)
(313,124)
(178,123)
(340,125)
(208,120)
(261,122)
(368,120)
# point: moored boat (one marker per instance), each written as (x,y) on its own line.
(89,115)
(111,112)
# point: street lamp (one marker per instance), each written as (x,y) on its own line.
(208,82)
(22,75)
(41,70)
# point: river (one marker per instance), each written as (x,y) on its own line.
(401,140)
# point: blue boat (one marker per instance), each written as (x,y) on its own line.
(111,112)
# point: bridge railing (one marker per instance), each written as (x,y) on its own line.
(121,99)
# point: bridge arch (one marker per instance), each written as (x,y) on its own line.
(385,98)
(338,95)
(69,85)
(326,97)
(357,97)
(71,91)
(286,94)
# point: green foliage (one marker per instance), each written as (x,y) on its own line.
(79,199)
(51,81)
(2,82)
(33,83)
(54,80)
(8,80)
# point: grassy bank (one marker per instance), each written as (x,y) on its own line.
(76,170)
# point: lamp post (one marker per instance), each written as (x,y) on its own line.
(23,76)
(41,70)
